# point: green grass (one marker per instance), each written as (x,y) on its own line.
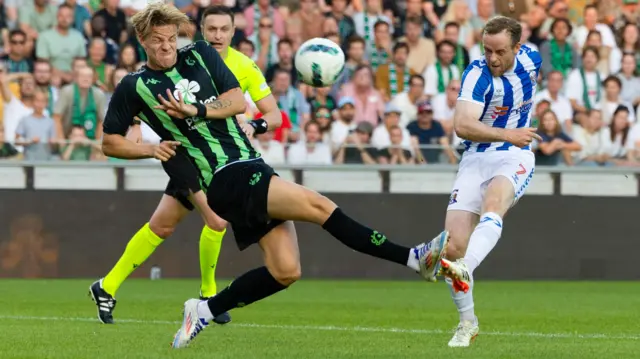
(326,319)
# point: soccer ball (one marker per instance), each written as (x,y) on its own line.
(319,62)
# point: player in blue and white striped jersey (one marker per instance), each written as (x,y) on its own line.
(493,116)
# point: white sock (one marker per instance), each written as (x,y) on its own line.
(204,311)
(483,239)
(413,262)
(463,301)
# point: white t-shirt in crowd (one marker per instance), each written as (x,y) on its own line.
(408,108)
(561,106)
(608,108)
(272,153)
(616,148)
(592,144)
(299,154)
(380,138)
(608,39)
(339,132)
(633,138)
(431,78)
(441,110)
(575,87)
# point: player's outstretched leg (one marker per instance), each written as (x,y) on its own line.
(282,268)
(470,245)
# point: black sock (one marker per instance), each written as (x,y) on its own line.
(250,287)
(364,240)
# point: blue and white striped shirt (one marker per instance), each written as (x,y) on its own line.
(507,100)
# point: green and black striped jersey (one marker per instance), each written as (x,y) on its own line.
(199,75)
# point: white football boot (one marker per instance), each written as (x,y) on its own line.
(465,334)
(430,254)
(458,273)
(192,325)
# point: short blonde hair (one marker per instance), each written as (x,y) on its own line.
(157,14)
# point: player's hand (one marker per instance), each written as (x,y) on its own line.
(522,137)
(176,108)
(165,150)
(248,129)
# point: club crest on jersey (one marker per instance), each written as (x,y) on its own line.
(533,77)
(454,197)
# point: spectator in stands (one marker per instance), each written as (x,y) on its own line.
(381,137)
(590,17)
(43,76)
(330,26)
(407,100)
(293,32)
(541,107)
(116,76)
(322,98)
(333,36)
(619,142)
(15,107)
(344,124)
(127,58)
(18,60)
(555,143)
(311,19)
(281,134)
(291,101)
(365,25)
(526,35)
(430,133)
(461,56)
(355,57)
(247,48)
(102,70)
(423,27)
(557,10)
(80,104)
(594,39)
(438,75)
(380,52)
(37,17)
(61,45)
(560,104)
(486,10)
(346,26)
(421,49)
(593,141)
(36,131)
(271,151)
(393,78)
(357,148)
(131,7)
(77,64)
(262,9)
(285,62)
(630,43)
(322,116)
(612,100)
(444,106)
(557,53)
(369,104)
(395,153)
(79,147)
(115,21)
(7,151)
(99,29)
(81,17)
(311,151)
(266,42)
(458,13)
(629,80)
(585,83)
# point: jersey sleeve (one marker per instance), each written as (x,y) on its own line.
(222,77)
(475,84)
(123,106)
(258,87)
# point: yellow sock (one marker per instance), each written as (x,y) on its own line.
(210,245)
(138,250)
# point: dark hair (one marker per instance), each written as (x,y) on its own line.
(593,32)
(452,24)
(561,20)
(419,77)
(355,39)
(132,67)
(247,42)
(17,32)
(400,45)
(445,43)
(590,6)
(281,71)
(112,81)
(42,61)
(362,67)
(284,41)
(65,5)
(380,23)
(613,78)
(553,72)
(557,129)
(312,123)
(502,23)
(218,10)
(625,131)
(591,49)
(543,102)
(416,20)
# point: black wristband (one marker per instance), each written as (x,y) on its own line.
(260,126)
(202,110)
(136,122)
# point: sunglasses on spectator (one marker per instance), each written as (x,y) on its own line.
(323,115)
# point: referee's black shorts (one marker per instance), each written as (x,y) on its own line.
(238,193)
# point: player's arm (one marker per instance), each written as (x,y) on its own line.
(231,100)
(261,95)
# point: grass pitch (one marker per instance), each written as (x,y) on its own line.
(326,319)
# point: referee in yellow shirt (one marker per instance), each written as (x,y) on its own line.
(218,29)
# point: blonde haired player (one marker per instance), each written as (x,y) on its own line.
(493,116)
(218,29)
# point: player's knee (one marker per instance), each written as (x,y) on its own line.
(161,230)
(216,223)
(321,206)
(287,273)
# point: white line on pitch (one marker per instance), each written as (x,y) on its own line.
(346,329)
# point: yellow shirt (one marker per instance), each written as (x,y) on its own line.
(248,74)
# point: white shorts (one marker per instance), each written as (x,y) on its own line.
(477,169)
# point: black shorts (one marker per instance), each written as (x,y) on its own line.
(183,178)
(238,193)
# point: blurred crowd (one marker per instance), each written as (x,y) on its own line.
(393,103)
